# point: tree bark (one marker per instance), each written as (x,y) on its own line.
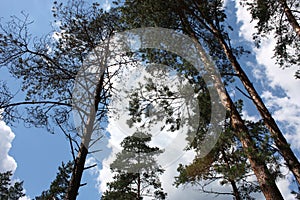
(263,175)
(259,167)
(75,180)
(281,143)
(291,18)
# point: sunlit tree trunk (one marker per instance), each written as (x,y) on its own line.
(281,143)
(265,179)
(291,18)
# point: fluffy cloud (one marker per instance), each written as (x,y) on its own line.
(7,162)
(6,137)
(25,198)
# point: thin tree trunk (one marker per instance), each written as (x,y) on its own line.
(139,187)
(75,180)
(291,18)
(264,178)
(284,148)
(236,192)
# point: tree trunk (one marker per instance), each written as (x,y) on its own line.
(139,187)
(236,192)
(279,139)
(263,175)
(291,18)
(75,180)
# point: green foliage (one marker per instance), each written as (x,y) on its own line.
(136,170)
(227,163)
(271,17)
(59,185)
(8,189)
(47,65)
(147,13)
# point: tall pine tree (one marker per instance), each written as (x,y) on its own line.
(136,171)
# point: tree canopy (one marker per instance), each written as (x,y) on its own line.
(49,68)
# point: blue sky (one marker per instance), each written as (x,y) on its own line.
(38,153)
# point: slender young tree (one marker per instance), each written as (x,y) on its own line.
(136,171)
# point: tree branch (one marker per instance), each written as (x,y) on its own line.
(35,102)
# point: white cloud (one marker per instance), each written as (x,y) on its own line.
(25,198)
(244,17)
(106,6)
(6,137)
(7,162)
(283,185)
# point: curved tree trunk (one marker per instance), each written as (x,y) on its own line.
(284,148)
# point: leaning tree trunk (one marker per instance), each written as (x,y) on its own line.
(264,177)
(75,181)
(291,18)
(284,148)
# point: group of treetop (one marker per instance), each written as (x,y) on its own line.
(244,148)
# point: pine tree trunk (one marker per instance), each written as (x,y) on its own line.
(236,192)
(291,18)
(263,175)
(284,148)
(75,180)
